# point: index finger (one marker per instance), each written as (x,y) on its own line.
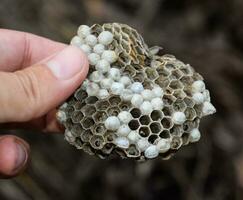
(19,49)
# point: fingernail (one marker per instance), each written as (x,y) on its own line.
(67,63)
(22,156)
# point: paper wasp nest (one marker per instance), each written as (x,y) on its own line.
(134,103)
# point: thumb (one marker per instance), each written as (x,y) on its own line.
(33,91)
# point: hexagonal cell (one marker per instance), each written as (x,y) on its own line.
(179,94)
(185,138)
(115,100)
(86,135)
(99,129)
(162,71)
(124,57)
(176,74)
(198,109)
(135,112)
(176,130)
(144,120)
(108,147)
(97,141)
(168,99)
(176,143)
(190,113)
(164,134)
(144,131)
(152,139)
(155,127)
(69,110)
(176,84)
(102,105)
(139,77)
(186,80)
(113,111)
(151,73)
(156,115)
(132,151)
(100,116)
(167,110)
(77,116)
(68,123)
(87,122)
(147,84)
(77,129)
(137,67)
(88,110)
(189,102)
(125,106)
(170,66)
(186,70)
(133,124)
(129,70)
(166,122)
(78,143)
(126,47)
(162,82)
(79,105)
(188,126)
(80,94)
(91,100)
(179,105)
(109,136)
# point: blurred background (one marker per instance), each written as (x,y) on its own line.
(208,34)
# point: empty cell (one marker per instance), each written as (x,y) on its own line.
(144,131)
(80,95)
(97,142)
(162,71)
(186,70)
(151,73)
(139,77)
(135,112)
(152,139)
(177,130)
(109,136)
(162,81)
(198,110)
(188,126)
(114,100)
(179,94)
(88,122)
(168,99)
(133,124)
(189,102)
(86,135)
(100,116)
(176,74)
(113,111)
(190,113)
(186,80)
(156,115)
(77,116)
(102,105)
(69,110)
(91,100)
(185,138)
(179,105)
(79,105)
(155,127)
(167,110)
(129,70)
(164,134)
(170,66)
(124,106)
(144,120)
(132,151)
(99,129)
(76,129)
(176,84)
(166,122)
(107,148)
(88,110)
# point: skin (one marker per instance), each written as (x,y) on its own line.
(26,80)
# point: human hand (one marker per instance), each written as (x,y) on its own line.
(36,75)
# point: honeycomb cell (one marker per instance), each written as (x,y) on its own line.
(79,105)
(87,122)
(69,110)
(88,110)
(133,124)
(168,99)
(113,111)
(97,142)
(176,143)
(162,81)
(135,112)
(108,147)
(129,70)
(102,105)
(190,113)
(167,110)
(100,116)
(164,134)
(144,120)
(144,131)
(77,116)
(185,138)
(115,100)
(188,126)
(152,139)
(155,127)
(170,66)
(68,123)
(76,129)
(151,73)
(189,102)
(198,110)
(86,135)
(91,100)
(179,94)
(179,105)
(162,71)
(186,80)
(109,136)
(166,122)
(176,74)
(125,106)
(156,115)
(99,129)
(139,77)
(186,70)
(176,130)
(176,84)
(88,149)
(78,143)
(80,95)
(132,151)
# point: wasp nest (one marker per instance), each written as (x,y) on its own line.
(134,103)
